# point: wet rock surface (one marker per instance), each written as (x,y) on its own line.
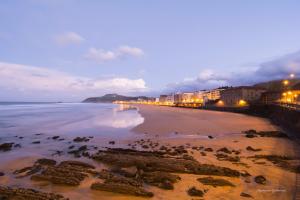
(215,182)
(155,161)
(260,180)
(243,194)
(81,139)
(249,148)
(121,188)
(27,194)
(193,191)
(225,157)
(162,180)
(224,150)
(284,162)
(6,146)
(65,173)
(254,133)
(78,152)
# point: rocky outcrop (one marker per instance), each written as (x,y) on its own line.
(154,161)
(215,182)
(6,146)
(162,180)
(65,173)
(22,193)
(121,188)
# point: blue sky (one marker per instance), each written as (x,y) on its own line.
(71,49)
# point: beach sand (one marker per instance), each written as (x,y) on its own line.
(171,126)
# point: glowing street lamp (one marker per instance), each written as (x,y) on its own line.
(292,75)
(285,82)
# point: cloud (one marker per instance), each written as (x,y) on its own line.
(278,68)
(132,51)
(68,38)
(37,81)
(101,55)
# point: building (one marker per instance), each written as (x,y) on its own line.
(163,98)
(240,96)
(166,99)
(170,99)
(270,97)
(177,98)
(199,96)
(187,97)
(214,94)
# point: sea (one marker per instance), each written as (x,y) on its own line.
(68,119)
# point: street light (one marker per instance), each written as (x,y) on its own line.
(285,82)
(292,75)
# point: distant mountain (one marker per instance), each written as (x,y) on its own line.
(108,98)
(277,85)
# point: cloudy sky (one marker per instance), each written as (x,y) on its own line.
(66,50)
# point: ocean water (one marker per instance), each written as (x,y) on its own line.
(67,119)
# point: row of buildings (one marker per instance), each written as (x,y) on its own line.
(229,97)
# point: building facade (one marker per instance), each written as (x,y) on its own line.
(241,96)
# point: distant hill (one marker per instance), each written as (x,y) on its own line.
(277,85)
(108,98)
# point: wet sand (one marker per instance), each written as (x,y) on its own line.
(170,127)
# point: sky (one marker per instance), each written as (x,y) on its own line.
(67,50)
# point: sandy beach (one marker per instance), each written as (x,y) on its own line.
(168,135)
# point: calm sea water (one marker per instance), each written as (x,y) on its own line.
(106,120)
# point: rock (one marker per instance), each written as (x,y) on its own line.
(71,147)
(254,133)
(249,148)
(80,151)
(66,173)
(36,142)
(250,136)
(2,174)
(111,142)
(260,180)
(225,150)
(27,171)
(284,162)
(210,137)
(188,157)
(224,157)
(162,180)
(203,153)
(111,178)
(155,161)
(208,149)
(243,194)
(129,172)
(193,191)
(6,146)
(81,139)
(215,182)
(23,194)
(45,161)
(121,188)
(17,146)
(55,137)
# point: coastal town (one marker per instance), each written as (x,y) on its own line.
(286,94)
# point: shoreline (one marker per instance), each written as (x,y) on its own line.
(156,135)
